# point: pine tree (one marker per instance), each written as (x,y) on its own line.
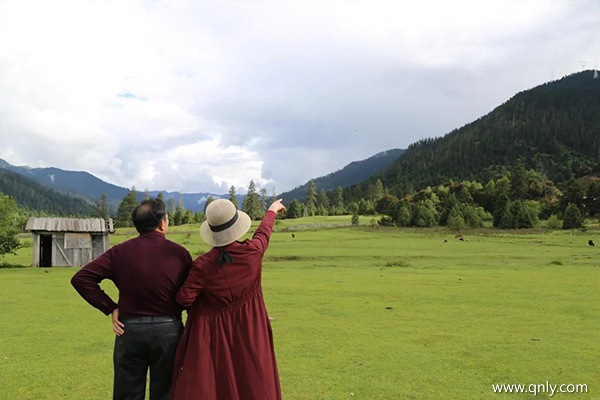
(232,196)
(485,197)
(386,204)
(553,222)
(101,208)
(425,214)
(311,199)
(322,202)
(456,221)
(338,198)
(522,219)
(450,202)
(251,204)
(464,196)
(187,217)
(592,199)
(199,217)
(355,219)
(500,207)
(403,216)
(171,206)
(295,209)
(572,218)
(126,208)
(518,182)
(179,214)
(475,216)
(377,190)
(337,206)
(573,192)
(263,200)
(366,207)
(507,219)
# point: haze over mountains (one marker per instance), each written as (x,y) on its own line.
(553,128)
(87,186)
(84,186)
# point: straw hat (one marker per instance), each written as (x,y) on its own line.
(224,223)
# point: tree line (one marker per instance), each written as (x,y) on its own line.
(254,204)
(36,197)
(515,199)
(554,129)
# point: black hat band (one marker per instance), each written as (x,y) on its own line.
(226,225)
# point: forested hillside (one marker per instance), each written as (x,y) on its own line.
(351,174)
(535,156)
(78,183)
(553,128)
(32,196)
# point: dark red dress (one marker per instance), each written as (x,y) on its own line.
(226,351)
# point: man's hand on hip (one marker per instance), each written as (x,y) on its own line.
(116,324)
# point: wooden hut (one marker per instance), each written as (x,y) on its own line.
(68,241)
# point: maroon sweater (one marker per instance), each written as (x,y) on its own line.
(147,270)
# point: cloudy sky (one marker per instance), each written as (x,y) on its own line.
(197,96)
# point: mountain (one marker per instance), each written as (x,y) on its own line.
(89,187)
(351,174)
(191,201)
(34,196)
(78,182)
(554,128)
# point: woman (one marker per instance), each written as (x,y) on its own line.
(226,350)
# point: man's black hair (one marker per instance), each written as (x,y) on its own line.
(148,214)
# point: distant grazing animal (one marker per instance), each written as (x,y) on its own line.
(293,236)
(591,243)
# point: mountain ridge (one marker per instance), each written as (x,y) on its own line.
(34,196)
(90,187)
(352,173)
(554,128)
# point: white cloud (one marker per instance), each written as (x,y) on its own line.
(199,96)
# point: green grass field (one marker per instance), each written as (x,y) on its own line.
(360,313)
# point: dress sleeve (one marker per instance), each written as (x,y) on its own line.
(261,236)
(87,283)
(192,287)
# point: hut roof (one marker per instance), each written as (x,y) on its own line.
(90,225)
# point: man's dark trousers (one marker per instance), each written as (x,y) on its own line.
(148,343)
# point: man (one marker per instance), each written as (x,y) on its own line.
(148,271)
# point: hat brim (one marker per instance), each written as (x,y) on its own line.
(229,235)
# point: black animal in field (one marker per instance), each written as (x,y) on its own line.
(591,243)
